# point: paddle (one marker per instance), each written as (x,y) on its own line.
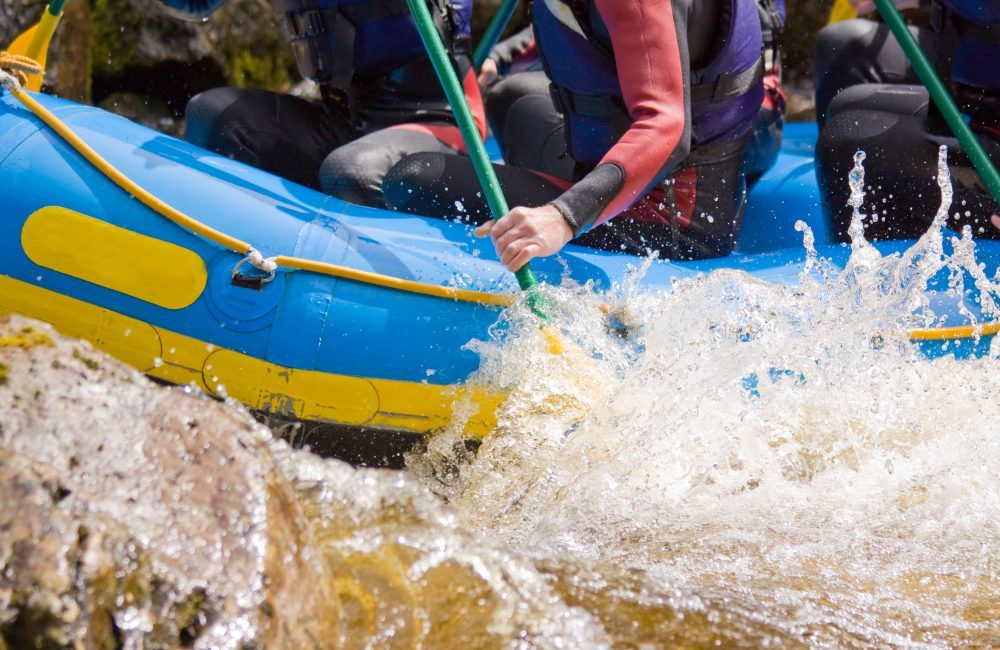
(34,42)
(493,31)
(970,143)
(470,135)
(842,10)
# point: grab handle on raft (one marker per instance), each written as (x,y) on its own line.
(970,143)
(493,31)
(470,135)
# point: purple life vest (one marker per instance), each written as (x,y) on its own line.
(336,40)
(977,57)
(725,94)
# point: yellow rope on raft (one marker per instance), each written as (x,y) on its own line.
(19,66)
(242,247)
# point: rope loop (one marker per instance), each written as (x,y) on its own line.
(14,70)
(259,262)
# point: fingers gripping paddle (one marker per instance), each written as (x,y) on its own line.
(970,143)
(34,42)
(477,151)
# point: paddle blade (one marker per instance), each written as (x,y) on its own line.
(34,44)
(842,10)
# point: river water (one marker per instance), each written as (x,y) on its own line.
(754,465)
(749,465)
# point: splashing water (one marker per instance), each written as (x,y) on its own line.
(782,460)
(754,465)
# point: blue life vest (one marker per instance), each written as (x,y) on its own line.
(575,47)
(977,57)
(337,40)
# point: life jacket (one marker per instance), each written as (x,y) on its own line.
(977,56)
(575,47)
(772,23)
(337,41)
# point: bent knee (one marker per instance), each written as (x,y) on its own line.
(204,113)
(355,171)
(411,177)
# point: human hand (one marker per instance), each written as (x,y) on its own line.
(524,233)
(863,7)
(996,221)
(488,73)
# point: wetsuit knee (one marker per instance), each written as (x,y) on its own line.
(446,186)
(500,98)
(405,186)
(204,114)
(354,172)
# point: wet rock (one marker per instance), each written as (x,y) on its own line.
(143,517)
(138,47)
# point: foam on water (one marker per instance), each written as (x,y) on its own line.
(786,449)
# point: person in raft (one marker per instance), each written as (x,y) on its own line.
(869,98)
(373,73)
(657,99)
(531,133)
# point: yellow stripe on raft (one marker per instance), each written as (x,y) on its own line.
(153,270)
(949,333)
(303,394)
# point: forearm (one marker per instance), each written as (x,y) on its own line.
(649,40)
(507,52)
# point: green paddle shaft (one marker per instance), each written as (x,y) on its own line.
(973,149)
(470,134)
(499,23)
(56,7)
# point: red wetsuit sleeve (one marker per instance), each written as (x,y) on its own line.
(449,134)
(651,57)
(651,73)
(474,98)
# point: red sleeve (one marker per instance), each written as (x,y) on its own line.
(475,100)
(650,70)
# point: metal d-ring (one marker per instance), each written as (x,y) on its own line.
(250,281)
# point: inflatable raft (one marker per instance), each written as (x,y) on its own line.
(376,342)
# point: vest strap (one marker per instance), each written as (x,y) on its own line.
(728,85)
(987,34)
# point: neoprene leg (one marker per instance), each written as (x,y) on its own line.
(862,51)
(695,214)
(889,123)
(282,134)
(528,126)
(445,186)
(355,171)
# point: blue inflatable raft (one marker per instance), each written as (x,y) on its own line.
(378,346)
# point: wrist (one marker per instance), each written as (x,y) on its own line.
(568,219)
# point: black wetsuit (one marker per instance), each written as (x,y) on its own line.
(868,98)
(373,73)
